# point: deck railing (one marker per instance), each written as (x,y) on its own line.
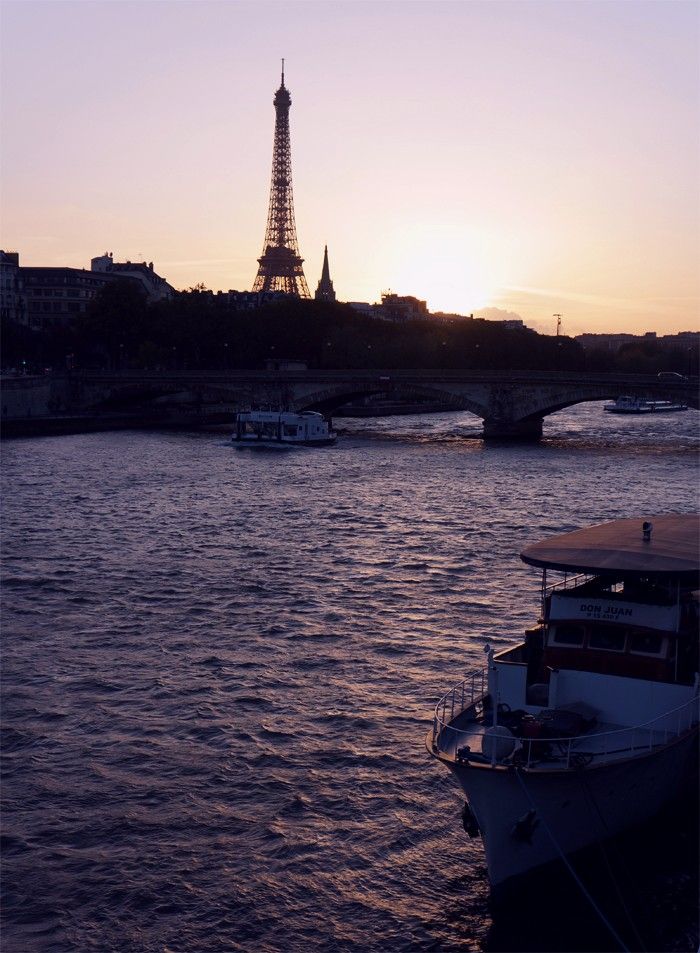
(568,582)
(471,691)
(562,752)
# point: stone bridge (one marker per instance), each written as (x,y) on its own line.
(512,404)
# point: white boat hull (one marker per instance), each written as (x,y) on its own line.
(645,410)
(253,443)
(530,818)
(645,407)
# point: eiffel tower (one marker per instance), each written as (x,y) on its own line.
(280,263)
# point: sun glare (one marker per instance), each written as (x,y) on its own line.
(444,265)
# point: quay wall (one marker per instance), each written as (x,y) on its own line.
(45,405)
(27,397)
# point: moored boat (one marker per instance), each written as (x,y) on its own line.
(640,405)
(588,726)
(278,429)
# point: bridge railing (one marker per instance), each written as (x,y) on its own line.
(389,374)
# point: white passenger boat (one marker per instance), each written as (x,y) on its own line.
(590,724)
(640,405)
(277,429)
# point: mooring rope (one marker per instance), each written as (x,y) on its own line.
(571,870)
(589,795)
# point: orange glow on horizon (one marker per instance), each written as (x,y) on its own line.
(517,177)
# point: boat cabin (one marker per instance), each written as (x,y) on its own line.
(281,426)
(626,609)
(636,628)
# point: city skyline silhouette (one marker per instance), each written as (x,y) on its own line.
(536,158)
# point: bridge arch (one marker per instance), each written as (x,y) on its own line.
(523,412)
(329,399)
(544,404)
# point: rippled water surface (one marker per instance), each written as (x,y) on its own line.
(219,667)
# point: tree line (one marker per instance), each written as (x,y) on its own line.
(198,330)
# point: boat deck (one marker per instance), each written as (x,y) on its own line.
(463,739)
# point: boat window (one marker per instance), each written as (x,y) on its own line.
(290,431)
(646,643)
(567,633)
(608,637)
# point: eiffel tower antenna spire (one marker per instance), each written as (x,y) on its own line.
(280,265)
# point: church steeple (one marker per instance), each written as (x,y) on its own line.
(325,291)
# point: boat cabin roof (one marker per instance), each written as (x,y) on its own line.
(672,549)
(286,416)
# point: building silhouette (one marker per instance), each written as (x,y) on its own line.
(156,288)
(403,307)
(324,291)
(13,303)
(42,298)
(280,265)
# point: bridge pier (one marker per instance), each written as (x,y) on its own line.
(498,429)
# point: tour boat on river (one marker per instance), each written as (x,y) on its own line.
(588,726)
(277,429)
(640,405)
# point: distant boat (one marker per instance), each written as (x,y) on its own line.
(278,429)
(640,405)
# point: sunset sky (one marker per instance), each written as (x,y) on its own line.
(536,157)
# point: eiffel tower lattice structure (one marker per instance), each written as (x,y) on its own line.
(280,265)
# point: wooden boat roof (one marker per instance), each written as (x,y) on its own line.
(287,416)
(620,547)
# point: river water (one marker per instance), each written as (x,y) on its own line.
(219,667)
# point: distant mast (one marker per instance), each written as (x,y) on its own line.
(324,291)
(280,265)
